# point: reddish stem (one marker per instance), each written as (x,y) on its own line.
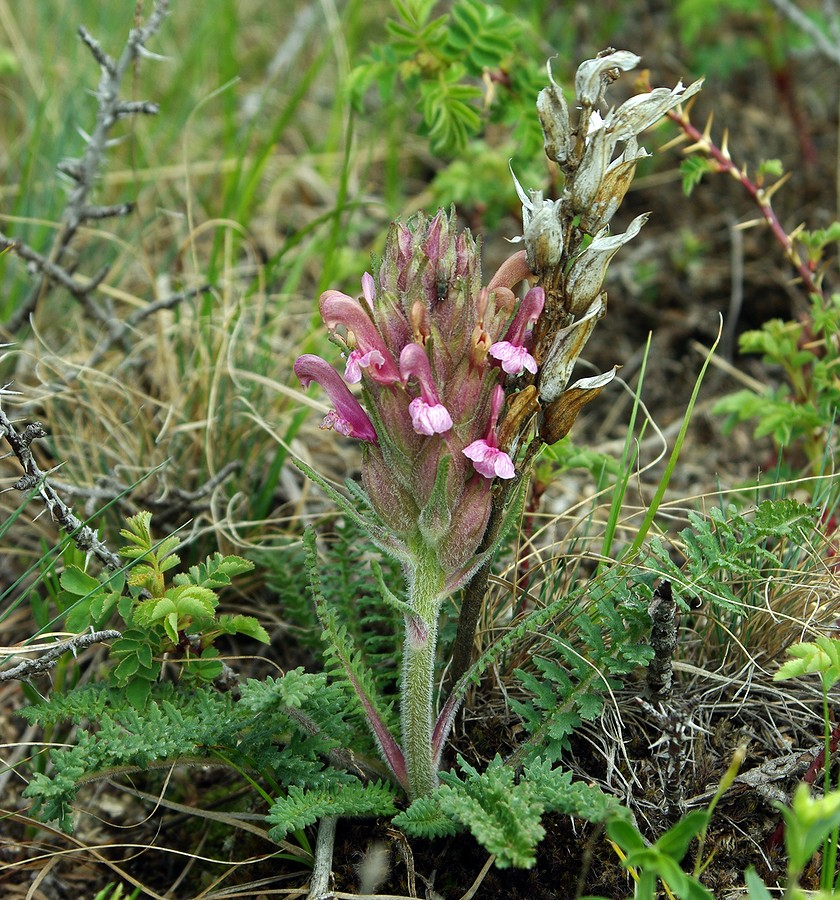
(725,164)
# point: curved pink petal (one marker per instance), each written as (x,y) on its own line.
(487,458)
(529,311)
(415,364)
(339,309)
(513,270)
(348,417)
(497,401)
(368,289)
(428,415)
(357,361)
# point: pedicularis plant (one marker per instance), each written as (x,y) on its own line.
(461,384)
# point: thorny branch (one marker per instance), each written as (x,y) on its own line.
(703,143)
(84,537)
(30,668)
(84,170)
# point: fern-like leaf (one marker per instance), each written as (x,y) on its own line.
(302,807)
(504,812)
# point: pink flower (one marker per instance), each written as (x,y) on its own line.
(512,352)
(428,415)
(429,418)
(339,309)
(348,417)
(514,358)
(488,460)
(485,454)
(357,361)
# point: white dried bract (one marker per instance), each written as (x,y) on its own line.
(587,273)
(597,155)
(614,185)
(554,118)
(590,81)
(640,112)
(567,344)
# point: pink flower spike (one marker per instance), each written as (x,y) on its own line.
(489,461)
(428,415)
(357,361)
(368,289)
(348,417)
(339,309)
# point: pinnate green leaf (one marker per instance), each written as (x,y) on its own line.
(302,807)
(820,656)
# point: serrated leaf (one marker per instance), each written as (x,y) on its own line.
(170,625)
(820,656)
(693,169)
(77,582)
(245,625)
(589,705)
(137,692)
(504,816)
(126,668)
(144,657)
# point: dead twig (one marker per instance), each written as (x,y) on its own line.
(84,170)
(31,668)
(83,536)
(319,885)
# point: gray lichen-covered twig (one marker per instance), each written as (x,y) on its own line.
(663,640)
(31,668)
(82,535)
(83,171)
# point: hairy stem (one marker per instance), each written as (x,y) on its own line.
(426,590)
